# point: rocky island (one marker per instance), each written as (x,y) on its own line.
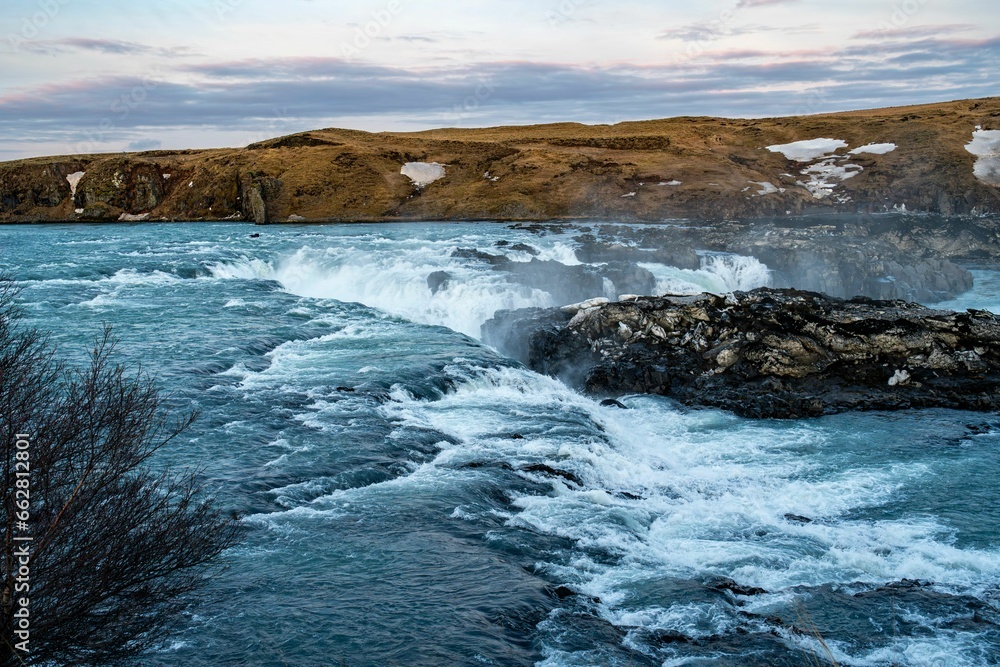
(766,353)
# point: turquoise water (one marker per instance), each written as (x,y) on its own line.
(414,498)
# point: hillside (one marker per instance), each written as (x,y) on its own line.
(702,168)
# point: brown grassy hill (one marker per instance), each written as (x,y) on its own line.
(564,170)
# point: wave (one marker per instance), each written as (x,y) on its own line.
(386,275)
(654,493)
(720,273)
(394,282)
(122,277)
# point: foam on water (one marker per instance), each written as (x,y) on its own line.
(394,282)
(664,494)
(392,277)
(558,251)
(719,274)
(985,296)
(713,495)
(122,277)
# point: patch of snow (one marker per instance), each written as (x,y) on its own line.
(494,179)
(128,217)
(74,180)
(631,194)
(808,150)
(166,177)
(423,173)
(875,149)
(985,145)
(79,211)
(669,183)
(766,188)
(191,184)
(825,175)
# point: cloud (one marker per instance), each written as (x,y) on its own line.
(916,31)
(708,31)
(280,95)
(416,38)
(746,4)
(293,68)
(701,31)
(105,46)
(144,145)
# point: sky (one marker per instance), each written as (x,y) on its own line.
(112,75)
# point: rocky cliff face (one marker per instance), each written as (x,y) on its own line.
(765,353)
(882,257)
(698,168)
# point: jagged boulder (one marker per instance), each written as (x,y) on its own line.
(437,281)
(765,353)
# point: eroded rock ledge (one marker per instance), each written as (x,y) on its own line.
(767,353)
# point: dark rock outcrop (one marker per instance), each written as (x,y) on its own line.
(132,187)
(438,281)
(767,353)
(258,194)
(257,209)
(479,255)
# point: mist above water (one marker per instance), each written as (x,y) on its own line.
(719,274)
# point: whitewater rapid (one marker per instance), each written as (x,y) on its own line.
(395,281)
(412,497)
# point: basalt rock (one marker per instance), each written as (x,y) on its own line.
(438,281)
(479,255)
(767,353)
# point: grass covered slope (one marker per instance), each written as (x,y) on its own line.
(705,168)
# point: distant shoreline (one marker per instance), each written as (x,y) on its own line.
(807,219)
(936,158)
